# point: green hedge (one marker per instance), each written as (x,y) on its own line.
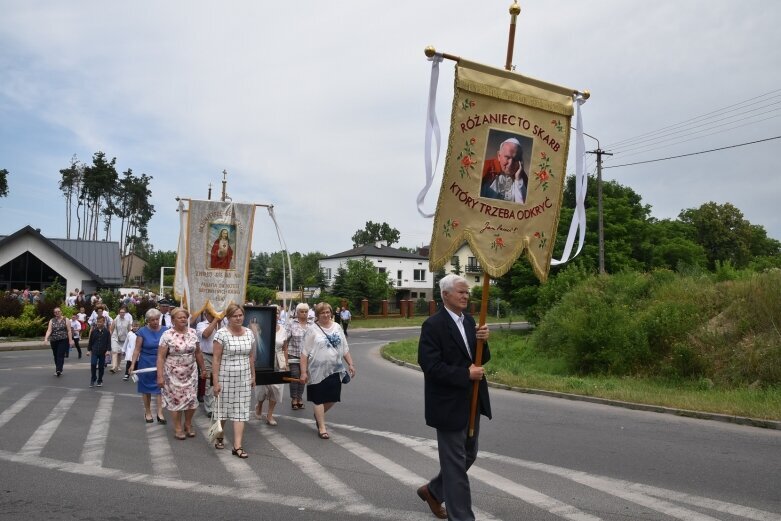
(24,327)
(667,324)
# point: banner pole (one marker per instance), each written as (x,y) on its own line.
(515,10)
(479,353)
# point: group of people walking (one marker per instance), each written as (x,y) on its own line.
(168,358)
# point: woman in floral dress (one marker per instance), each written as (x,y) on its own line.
(178,357)
(233,372)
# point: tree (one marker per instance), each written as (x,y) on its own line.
(70,182)
(307,270)
(726,236)
(670,246)
(360,279)
(374,232)
(626,222)
(157,260)
(131,205)
(258,270)
(3,182)
(266,270)
(99,189)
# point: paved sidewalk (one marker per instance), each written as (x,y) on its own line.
(23,345)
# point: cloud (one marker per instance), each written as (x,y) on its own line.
(319,109)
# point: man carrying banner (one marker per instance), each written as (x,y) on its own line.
(446,351)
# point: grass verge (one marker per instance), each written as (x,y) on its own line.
(513,363)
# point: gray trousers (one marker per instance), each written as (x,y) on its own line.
(208,394)
(296,389)
(457,452)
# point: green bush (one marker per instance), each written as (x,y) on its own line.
(683,362)
(110,299)
(670,325)
(55,293)
(260,295)
(666,322)
(549,294)
(23,326)
(10,307)
(45,308)
(594,331)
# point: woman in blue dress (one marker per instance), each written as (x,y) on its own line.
(145,356)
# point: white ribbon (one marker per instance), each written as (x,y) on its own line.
(181,281)
(578,223)
(286,254)
(432,127)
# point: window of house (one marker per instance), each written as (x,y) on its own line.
(381,270)
(414,294)
(419,275)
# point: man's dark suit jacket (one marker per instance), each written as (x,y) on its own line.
(445,363)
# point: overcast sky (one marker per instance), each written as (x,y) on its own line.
(319,107)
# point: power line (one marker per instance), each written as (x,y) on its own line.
(623,142)
(695,153)
(624,155)
(671,136)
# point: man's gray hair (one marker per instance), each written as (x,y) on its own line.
(152,313)
(448,282)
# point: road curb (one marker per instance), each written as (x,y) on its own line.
(23,345)
(739,420)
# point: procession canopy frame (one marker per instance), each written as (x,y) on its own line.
(257,205)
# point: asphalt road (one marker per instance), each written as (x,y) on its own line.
(70,452)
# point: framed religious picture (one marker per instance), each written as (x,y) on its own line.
(262,321)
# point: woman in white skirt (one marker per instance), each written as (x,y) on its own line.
(273,393)
(119,328)
(130,346)
(233,373)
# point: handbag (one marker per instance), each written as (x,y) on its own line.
(215,430)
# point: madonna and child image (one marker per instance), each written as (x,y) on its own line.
(222,237)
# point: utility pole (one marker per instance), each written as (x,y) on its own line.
(601,224)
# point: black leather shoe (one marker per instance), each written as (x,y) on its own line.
(436,507)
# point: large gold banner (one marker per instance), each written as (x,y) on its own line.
(214,254)
(504,173)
